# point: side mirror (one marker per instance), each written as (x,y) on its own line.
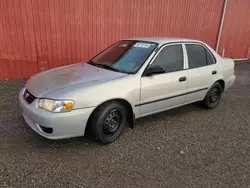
(157,69)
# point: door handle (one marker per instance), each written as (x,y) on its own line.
(182,79)
(214,72)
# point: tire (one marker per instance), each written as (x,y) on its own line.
(213,96)
(108,122)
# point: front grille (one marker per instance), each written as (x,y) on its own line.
(28,96)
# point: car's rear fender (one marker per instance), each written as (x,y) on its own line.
(228,70)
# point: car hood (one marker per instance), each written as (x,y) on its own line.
(67,76)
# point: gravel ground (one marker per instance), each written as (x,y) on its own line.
(185,147)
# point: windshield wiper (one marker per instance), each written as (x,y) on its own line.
(91,63)
(109,67)
(100,65)
(106,66)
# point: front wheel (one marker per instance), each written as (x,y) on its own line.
(213,96)
(108,121)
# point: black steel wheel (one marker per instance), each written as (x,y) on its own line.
(112,122)
(213,96)
(108,121)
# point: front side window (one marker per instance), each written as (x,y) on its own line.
(198,56)
(125,56)
(170,58)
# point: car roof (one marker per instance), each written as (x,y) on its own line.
(163,40)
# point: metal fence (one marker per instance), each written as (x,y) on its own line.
(36,35)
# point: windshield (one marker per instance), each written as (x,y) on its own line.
(124,56)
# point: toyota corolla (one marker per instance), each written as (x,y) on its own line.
(128,80)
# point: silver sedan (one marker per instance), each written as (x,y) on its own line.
(130,79)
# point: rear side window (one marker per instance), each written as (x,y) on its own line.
(198,56)
(171,58)
(210,58)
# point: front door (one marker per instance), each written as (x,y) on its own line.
(166,90)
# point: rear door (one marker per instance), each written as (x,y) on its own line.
(163,91)
(202,70)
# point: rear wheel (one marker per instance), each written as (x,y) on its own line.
(108,121)
(213,96)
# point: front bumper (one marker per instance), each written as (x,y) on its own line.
(64,125)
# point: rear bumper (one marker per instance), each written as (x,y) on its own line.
(64,125)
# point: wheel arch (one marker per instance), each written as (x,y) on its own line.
(125,103)
(222,83)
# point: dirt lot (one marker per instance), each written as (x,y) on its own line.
(185,147)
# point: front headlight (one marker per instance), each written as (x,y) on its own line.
(56,105)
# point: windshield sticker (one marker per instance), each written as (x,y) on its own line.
(142,45)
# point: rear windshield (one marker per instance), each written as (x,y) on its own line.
(125,56)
